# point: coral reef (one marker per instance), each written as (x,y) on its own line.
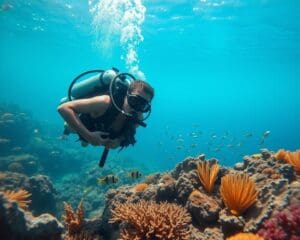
(15,223)
(260,195)
(149,220)
(283,225)
(40,187)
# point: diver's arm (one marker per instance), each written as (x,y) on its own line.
(70,110)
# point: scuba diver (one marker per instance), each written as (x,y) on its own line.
(105,110)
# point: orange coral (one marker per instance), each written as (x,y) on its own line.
(149,220)
(238,192)
(73,221)
(208,174)
(245,236)
(292,158)
(19,196)
(140,187)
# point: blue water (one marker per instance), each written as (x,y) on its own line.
(220,69)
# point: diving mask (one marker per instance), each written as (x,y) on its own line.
(138,103)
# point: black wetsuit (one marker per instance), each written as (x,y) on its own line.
(104,123)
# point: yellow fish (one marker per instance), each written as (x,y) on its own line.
(109,179)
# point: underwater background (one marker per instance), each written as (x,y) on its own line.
(223,71)
(226,75)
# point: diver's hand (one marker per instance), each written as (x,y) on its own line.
(98,138)
(113,143)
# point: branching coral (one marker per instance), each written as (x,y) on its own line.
(292,158)
(284,225)
(149,220)
(73,221)
(19,196)
(245,236)
(238,192)
(208,174)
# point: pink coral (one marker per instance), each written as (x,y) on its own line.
(283,226)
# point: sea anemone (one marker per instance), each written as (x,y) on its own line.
(238,193)
(208,173)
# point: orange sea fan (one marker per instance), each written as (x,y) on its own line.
(245,236)
(19,196)
(292,158)
(208,174)
(73,221)
(238,192)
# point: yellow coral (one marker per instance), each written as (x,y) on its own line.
(19,196)
(238,192)
(245,236)
(292,158)
(149,220)
(208,174)
(73,221)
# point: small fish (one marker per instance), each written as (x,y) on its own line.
(36,131)
(213,135)
(109,179)
(180,140)
(248,134)
(193,145)
(4,140)
(87,190)
(134,174)
(264,136)
(16,149)
(6,6)
(266,133)
(179,147)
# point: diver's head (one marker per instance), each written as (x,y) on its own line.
(139,96)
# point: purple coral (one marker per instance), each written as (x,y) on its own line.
(285,225)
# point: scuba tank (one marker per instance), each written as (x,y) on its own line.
(92,86)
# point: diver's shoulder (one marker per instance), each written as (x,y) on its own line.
(105,99)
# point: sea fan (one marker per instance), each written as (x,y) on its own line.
(73,221)
(238,192)
(19,196)
(208,174)
(245,236)
(292,158)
